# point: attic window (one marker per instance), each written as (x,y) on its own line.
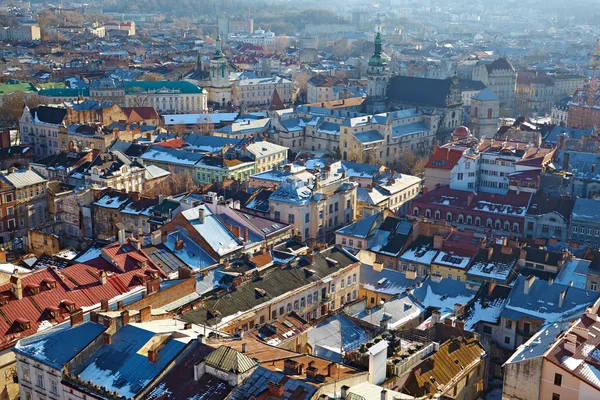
(260,292)
(53,312)
(34,289)
(69,305)
(50,284)
(23,323)
(3,300)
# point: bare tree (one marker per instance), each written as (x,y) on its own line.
(11,110)
(140,99)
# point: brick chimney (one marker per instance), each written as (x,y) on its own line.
(76,317)
(438,241)
(145,314)
(2,255)
(104,304)
(275,389)
(152,355)
(236,231)
(107,338)
(246,233)
(153,286)
(124,317)
(332,369)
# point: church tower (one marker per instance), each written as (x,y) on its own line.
(377,79)
(220,90)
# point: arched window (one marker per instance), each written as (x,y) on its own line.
(489,223)
(477,221)
(449,216)
(506,225)
(515,227)
(438,215)
(498,224)
(460,219)
(416,211)
(490,112)
(476,111)
(428,213)
(469,220)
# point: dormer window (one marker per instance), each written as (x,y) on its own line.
(23,324)
(53,312)
(69,305)
(3,300)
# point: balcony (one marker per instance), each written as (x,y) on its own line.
(525,334)
(325,299)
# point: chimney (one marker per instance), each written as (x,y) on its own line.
(383,395)
(411,274)
(200,338)
(121,236)
(2,255)
(528,283)
(103,277)
(145,314)
(245,234)
(152,355)
(561,298)
(107,338)
(438,241)
(124,317)
(76,317)
(436,316)
(310,256)
(507,250)
(179,244)
(244,347)
(275,389)
(570,343)
(104,304)
(201,214)
(491,288)
(152,286)
(119,305)
(565,165)
(16,285)
(470,197)
(230,228)
(156,238)
(460,325)
(236,231)
(332,369)
(377,266)
(344,391)
(490,252)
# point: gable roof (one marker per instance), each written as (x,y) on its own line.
(227,359)
(48,115)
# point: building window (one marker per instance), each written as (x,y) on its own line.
(416,211)
(487,329)
(449,276)
(307,217)
(508,324)
(315,297)
(558,379)
(277,216)
(53,387)
(40,380)
(555,396)
(594,286)
(26,375)
(333,288)
(291,218)
(296,303)
(506,340)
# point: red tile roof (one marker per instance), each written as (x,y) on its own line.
(142,112)
(79,285)
(173,143)
(445,157)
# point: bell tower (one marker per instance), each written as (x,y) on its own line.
(220,90)
(377,78)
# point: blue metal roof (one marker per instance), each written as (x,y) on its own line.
(122,366)
(542,301)
(56,346)
(368,136)
(409,129)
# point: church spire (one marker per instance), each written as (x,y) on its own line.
(218,51)
(376,59)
